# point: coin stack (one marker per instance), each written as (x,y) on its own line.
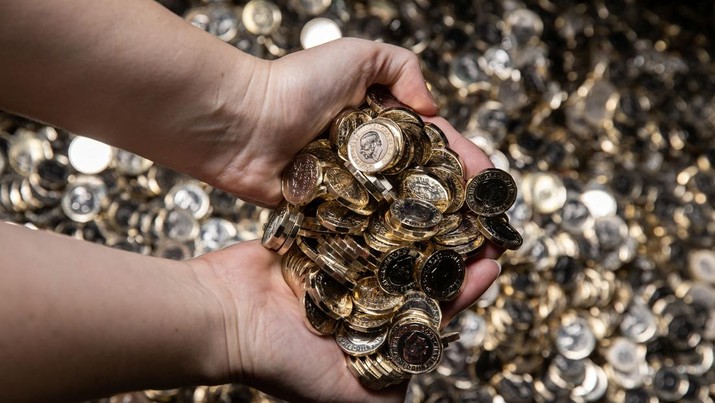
(375,228)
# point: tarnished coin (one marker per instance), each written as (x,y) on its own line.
(491,192)
(318,322)
(331,296)
(499,232)
(261,17)
(395,274)
(344,188)
(359,343)
(414,347)
(375,145)
(414,214)
(418,184)
(343,126)
(441,275)
(370,298)
(301,180)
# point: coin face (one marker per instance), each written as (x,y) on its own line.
(359,343)
(274,227)
(395,272)
(420,185)
(466,231)
(374,146)
(301,179)
(82,200)
(498,231)
(189,196)
(414,214)
(415,347)
(575,340)
(318,322)
(343,126)
(491,192)
(417,300)
(345,188)
(441,275)
(327,292)
(370,298)
(261,17)
(436,136)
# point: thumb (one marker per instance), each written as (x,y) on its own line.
(399,69)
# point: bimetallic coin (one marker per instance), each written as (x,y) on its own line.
(465,232)
(321,149)
(301,180)
(26,149)
(83,199)
(189,196)
(316,320)
(701,265)
(343,186)
(129,163)
(358,343)
(370,298)
(436,136)
(414,347)
(455,184)
(395,274)
(337,218)
(447,158)
(216,233)
(329,294)
(575,340)
(375,145)
(311,7)
(491,192)
(380,99)
(179,225)
(416,184)
(274,228)
(414,214)
(499,232)
(418,301)
(261,17)
(449,223)
(366,322)
(441,275)
(343,126)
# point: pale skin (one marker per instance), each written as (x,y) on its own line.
(81,320)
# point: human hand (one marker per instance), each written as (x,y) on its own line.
(268,344)
(292,99)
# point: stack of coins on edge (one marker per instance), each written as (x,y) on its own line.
(375,228)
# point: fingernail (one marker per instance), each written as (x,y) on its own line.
(434,101)
(498,267)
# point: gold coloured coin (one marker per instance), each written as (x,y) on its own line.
(375,145)
(467,231)
(301,180)
(315,319)
(380,99)
(395,273)
(343,126)
(358,343)
(491,192)
(455,184)
(417,184)
(321,149)
(445,157)
(331,296)
(370,298)
(344,188)
(441,275)
(365,322)
(499,232)
(414,215)
(436,135)
(414,347)
(338,218)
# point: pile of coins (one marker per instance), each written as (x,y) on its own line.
(376,226)
(603,113)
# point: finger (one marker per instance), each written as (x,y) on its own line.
(480,275)
(399,69)
(472,156)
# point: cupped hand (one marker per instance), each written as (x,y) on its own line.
(274,350)
(292,99)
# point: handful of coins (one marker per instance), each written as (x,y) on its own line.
(375,228)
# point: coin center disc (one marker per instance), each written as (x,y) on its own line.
(399,272)
(493,191)
(415,348)
(443,275)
